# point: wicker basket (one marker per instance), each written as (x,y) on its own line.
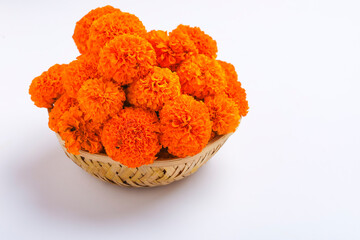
(161,172)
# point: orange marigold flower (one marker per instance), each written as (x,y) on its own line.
(224,113)
(81,32)
(90,58)
(77,72)
(111,25)
(79,134)
(100,99)
(229,69)
(63,104)
(132,137)
(182,46)
(201,76)
(159,86)
(185,126)
(203,42)
(92,137)
(126,58)
(234,89)
(238,95)
(48,87)
(160,42)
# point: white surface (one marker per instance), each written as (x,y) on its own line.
(291,171)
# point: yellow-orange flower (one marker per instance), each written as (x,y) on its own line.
(201,76)
(100,99)
(160,42)
(224,113)
(132,137)
(81,32)
(77,72)
(126,58)
(159,86)
(63,104)
(238,95)
(79,134)
(92,137)
(185,126)
(229,70)
(182,46)
(203,42)
(48,87)
(109,26)
(234,89)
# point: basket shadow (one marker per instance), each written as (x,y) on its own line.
(59,188)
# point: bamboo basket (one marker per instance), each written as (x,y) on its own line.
(161,172)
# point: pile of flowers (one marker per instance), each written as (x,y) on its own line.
(134,94)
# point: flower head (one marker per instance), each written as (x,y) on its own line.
(159,40)
(79,134)
(77,72)
(233,88)
(185,126)
(132,137)
(238,95)
(109,26)
(229,70)
(159,86)
(224,113)
(63,104)
(203,42)
(201,76)
(100,99)
(81,32)
(126,58)
(182,46)
(48,87)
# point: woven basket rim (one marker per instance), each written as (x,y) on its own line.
(160,162)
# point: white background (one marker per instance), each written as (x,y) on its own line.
(291,171)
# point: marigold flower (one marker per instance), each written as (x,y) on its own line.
(126,58)
(159,86)
(185,126)
(79,134)
(224,113)
(92,137)
(229,69)
(63,104)
(81,32)
(100,99)
(203,42)
(238,95)
(160,42)
(77,72)
(201,76)
(234,89)
(109,26)
(182,46)
(132,137)
(48,87)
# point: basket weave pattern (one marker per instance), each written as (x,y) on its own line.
(161,172)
